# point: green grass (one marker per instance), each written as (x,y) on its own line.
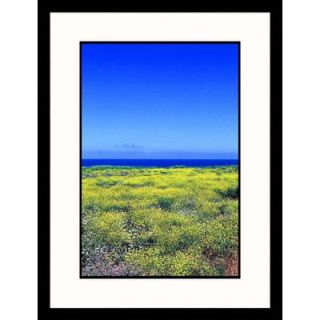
(160,221)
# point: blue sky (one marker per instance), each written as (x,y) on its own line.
(155,101)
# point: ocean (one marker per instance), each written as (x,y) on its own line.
(159,162)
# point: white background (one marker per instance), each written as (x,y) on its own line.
(18,83)
(67,290)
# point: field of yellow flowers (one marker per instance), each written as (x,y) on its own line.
(161,222)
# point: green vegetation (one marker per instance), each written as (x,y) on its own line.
(160,221)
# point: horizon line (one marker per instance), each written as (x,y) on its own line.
(159,158)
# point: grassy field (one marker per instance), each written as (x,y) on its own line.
(160,221)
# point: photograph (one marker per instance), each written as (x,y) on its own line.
(160,159)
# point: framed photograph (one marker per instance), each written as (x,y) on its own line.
(160,159)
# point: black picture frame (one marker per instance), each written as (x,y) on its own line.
(44,10)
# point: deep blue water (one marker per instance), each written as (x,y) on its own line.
(158,162)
